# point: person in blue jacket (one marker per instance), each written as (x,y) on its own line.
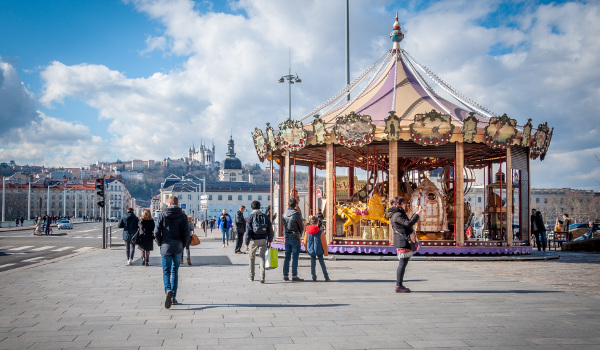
(314,248)
(225,223)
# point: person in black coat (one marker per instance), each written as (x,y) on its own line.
(538,229)
(240,226)
(403,228)
(146,227)
(129,224)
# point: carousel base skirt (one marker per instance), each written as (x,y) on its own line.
(429,250)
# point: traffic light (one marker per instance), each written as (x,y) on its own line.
(100,191)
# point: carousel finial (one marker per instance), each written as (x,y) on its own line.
(396,35)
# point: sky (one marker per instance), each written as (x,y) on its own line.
(82,81)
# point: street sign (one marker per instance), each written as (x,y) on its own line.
(203,207)
(318,193)
(204,197)
(183,206)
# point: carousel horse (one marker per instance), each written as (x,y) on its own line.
(374,210)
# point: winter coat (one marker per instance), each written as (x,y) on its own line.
(250,235)
(316,243)
(402,225)
(147,234)
(222,219)
(539,222)
(240,222)
(172,232)
(129,224)
(292,223)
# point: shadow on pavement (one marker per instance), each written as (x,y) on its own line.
(212,306)
(515,291)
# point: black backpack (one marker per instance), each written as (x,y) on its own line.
(260,225)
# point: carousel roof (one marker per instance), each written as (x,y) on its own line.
(392,101)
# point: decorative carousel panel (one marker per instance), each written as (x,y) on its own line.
(271,139)
(259,144)
(292,135)
(539,139)
(469,129)
(526,136)
(433,217)
(354,130)
(547,144)
(319,130)
(433,128)
(392,126)
(501,132)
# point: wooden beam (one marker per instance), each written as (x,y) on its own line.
(311,191)
(393,179)
(459,196)
(286,191)
(330,204)
(509,198)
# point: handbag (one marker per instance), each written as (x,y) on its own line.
(136,238)
(272,258)
(194,240)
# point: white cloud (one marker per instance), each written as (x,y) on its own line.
(547,69)
(16,102)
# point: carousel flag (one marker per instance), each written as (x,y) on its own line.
(431,128)
(259,144)
(319,131)
(392,126)
(539,140)
(526,135)
(292,135)
(469,129)
(500,132)
(271,139)
(354,130)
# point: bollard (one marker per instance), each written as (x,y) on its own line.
(110,236)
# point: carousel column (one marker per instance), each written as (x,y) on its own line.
(459,226)
(281,196)
(509,198)
(286,193)
(393,179)
(311,190)
(330,195)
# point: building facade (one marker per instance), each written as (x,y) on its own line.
(203,157)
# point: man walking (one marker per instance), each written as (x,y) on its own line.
(240,226)
(48,222)
(259,235)
(538,228)
(293,226)
(172,233)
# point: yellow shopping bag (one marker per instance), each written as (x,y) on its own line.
(272,258)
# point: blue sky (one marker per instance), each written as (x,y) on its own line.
(99,80)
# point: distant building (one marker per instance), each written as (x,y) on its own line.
(231,167)
(132,175)
(203,157)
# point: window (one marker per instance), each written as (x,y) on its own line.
(250,197)
(220,197)
(545,200)
(229,197)
(239,197)
(537,200)
(210,197)
(189,197)
(269,197)
(232,177)
(478,199)
(179,197)
(259,197)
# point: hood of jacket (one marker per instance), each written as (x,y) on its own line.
(173,212)
(312,229)
(394,210)
(289,212)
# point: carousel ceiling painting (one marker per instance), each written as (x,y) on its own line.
(431,128)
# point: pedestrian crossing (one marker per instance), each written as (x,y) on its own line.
(11,249)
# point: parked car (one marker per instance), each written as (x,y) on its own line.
(64,223)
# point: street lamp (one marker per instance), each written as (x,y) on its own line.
(48,199)
(291,80)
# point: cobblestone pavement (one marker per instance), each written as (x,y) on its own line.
(572,272)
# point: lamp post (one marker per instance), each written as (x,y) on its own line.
(48,199)
(291,79)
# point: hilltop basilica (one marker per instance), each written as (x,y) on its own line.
(204,157)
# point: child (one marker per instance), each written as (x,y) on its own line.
(316,246)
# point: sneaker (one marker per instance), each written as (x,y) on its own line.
(181,262)
(223,245)
(297,279)
(239,252)
(286,278)
(189,261)
(314,279)
(174,301)
(227,243)
(327,280)
(262,281)
(169,299)
(250,278)
(402,289)
(129,262)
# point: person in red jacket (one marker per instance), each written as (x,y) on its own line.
(315,248)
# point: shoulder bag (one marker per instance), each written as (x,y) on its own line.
(194,240)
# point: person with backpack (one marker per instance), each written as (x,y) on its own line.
(240,227)
(259,235)
(130,225)
(293,227)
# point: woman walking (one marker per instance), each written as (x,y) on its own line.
(403,228)
(147,236)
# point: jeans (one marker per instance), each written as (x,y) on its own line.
(402,262)
(261,246)
(292,250)
(240,241)
(170,266)
(540,239)
(313,262)
(225,234)
(129,249)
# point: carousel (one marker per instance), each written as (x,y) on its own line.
(407,140)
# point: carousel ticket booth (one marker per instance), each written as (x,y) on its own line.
(386,141)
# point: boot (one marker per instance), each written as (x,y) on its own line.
(181,262)
(189,261)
